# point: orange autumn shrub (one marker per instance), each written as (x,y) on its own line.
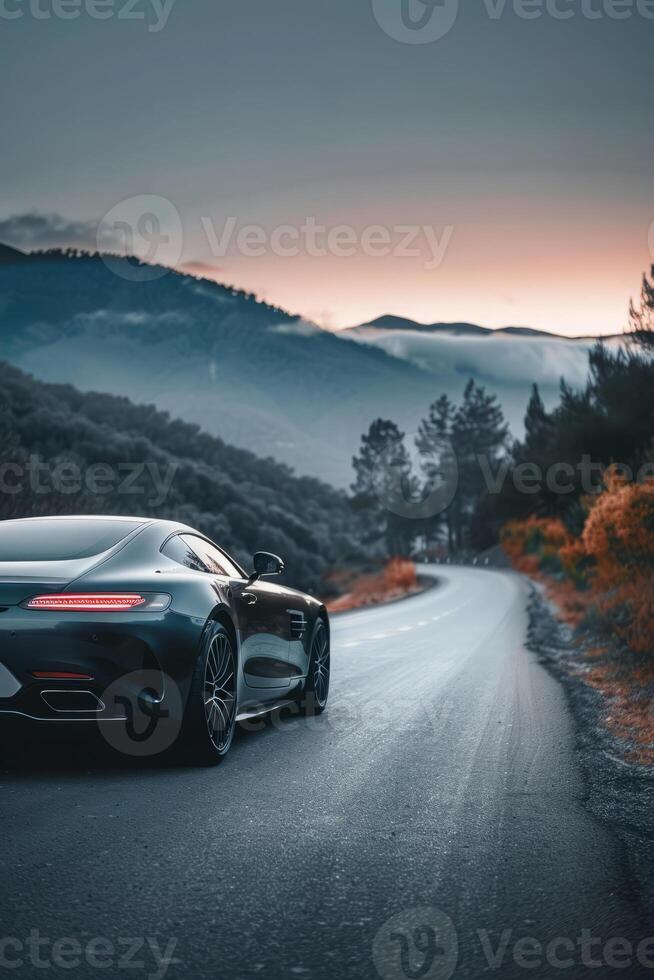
(575,562)
(619,539)
(396,579)
(614,557)
(535,544)
(619,532)
(512,538)
(629,609)
(400,573)
(573,603)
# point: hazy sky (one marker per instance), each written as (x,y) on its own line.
(512,158)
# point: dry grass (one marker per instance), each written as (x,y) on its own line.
(397,579)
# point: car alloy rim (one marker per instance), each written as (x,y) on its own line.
(220,690)
(320,654)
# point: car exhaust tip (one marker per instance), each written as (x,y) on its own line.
(82,702)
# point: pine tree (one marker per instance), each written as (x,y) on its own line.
(383,476)
(479,437)
(461,447)
(538,423)
(642,318)
(438,462)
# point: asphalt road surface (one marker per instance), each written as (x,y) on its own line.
(430,825)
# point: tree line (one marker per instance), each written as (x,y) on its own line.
(464,451)
(435,495)
(607,423)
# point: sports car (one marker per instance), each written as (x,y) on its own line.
(151,631)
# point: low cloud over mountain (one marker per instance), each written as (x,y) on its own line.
(33,230)
(246,371)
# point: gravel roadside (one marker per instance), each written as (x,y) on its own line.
(620,794)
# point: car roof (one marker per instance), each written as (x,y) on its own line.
(83,517)
(166,527)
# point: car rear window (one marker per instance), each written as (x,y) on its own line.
(60,540)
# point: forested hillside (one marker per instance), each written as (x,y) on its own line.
(244,370)
(64,451)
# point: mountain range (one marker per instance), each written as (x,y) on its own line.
(253,374)
(391,322)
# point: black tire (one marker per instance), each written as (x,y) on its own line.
(313,699)
(210,716)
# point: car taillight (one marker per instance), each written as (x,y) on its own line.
(99,602)
(60,675)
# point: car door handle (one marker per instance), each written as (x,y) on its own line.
(248,598)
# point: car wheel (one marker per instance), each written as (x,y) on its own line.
(316,689)
(210,717)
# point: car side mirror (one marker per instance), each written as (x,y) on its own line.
(266,564)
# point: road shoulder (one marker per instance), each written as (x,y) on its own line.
(619,794)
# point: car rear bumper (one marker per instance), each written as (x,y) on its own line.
(117,656)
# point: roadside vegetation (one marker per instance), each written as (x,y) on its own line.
(601,584)
(395,580)
(593,547)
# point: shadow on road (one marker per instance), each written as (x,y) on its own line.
(48,751)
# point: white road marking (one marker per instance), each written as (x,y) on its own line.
(393,631)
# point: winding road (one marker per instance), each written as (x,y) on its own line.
(431,824)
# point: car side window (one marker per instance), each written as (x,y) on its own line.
(180,551)
(214,560)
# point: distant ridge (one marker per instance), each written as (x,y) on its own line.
(250,373)
(462,329)
(9,254)
(12,256)
(390,322)
(254,375)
